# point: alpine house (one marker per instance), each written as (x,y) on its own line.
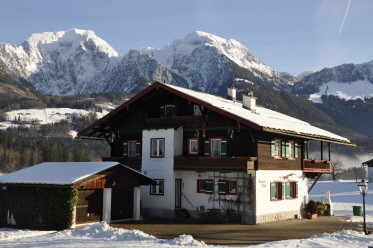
(216,155)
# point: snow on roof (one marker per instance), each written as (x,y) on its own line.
(56,173)
(268,119)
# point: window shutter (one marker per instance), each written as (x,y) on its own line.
(283,149)
(223,144)
(209,186)
(287,190)
(273,148)
(283,191)
(138,148)
(287,149)
(273,191)
(222,187)
(125,149)
(296,190)
(162,114)
(207,148)
(296,150)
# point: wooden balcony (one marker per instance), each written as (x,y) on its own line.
(317,166)
(133,162)
(186,121)
(242,164)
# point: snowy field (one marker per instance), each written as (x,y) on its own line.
(344,195)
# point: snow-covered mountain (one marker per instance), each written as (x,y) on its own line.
(347,81)
(77,61)
(70,62)
(208,63)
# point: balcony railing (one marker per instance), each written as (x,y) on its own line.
(215,164)
(317,166)
(133,162)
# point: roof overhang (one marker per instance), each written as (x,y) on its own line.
(98,129)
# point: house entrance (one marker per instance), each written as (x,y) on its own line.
(122,203)
(178,187)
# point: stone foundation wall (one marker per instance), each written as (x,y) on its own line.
(287,215)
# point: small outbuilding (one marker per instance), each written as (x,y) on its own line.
(59,195)
(369,164)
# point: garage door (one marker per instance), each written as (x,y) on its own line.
(89,207)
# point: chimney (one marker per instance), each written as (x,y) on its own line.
(249,101)
(231,92)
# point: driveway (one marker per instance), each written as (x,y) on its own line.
(242,235)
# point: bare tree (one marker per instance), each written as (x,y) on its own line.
(337,169)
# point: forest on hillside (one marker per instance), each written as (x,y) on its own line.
(22,147)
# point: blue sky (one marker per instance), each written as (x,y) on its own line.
(288,35)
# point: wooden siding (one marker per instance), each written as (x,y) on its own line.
(108,179)
(89,207)
(214,164)
(241,145)
(266,162)
(133,162)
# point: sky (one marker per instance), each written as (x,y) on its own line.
(288,35)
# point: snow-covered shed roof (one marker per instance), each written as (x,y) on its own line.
(263,119)
(59,173)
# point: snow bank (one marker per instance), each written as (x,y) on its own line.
(95,235)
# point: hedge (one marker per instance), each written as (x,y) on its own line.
(42,208)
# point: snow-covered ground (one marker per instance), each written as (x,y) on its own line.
(343,194)
(47,115)
(348,91)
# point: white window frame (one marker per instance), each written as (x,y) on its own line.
(171,113)
(213,149)
(278,148)
(291,149)
(131,150)
(190,146)
(157,145)
(197,109)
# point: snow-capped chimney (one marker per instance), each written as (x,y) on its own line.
(231,92)
(249,101)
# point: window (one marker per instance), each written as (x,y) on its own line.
(131,148)
(197,109)
(227,187)
(275,148)
(157,189)
(284,149)
(168,111)
(291,190)
(157,148)
(193,146)
(205,186)
(276,191)
(291,149)
(215,147)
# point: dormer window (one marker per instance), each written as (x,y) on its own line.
(168,110)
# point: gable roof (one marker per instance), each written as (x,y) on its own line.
(264,119)
(63,173)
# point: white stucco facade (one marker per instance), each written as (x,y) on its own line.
(370,174)
(160,168)
(267,210)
